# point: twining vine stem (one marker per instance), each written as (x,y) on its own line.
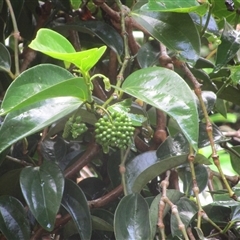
(215,157)
(16,36)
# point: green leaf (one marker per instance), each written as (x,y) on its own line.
(166,90)
(219,118)
(74,201)
(181,6)
(42,82)
(31,119)
(175,30)
(55,45)
(186,177)
(101,30)
(5,59)
(42,188)
(75,4)
(230,44)
(131,219)
(221,107)
(14,224)
(203,20)
(102,219)
(124,108)
(235,214)
(101,225)
(9,184)
(146,166)
(221,13)
(235,158)
(173,195)
(148,54)
(235,74)
(187,210)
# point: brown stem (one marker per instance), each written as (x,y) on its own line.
(164,59)
(92,150)
(209,129)
(98,91)
(160,133)
(133,45)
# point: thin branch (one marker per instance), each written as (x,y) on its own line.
(209,129)
(92,151)
(16,36)
(16,160)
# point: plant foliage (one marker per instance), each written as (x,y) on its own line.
(119,120)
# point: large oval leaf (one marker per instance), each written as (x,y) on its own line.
(55,45)
(42,188)
(175,30)
(166,90)
(42,82)
(14,224)
(100,29)
(31,119)
(146,166)
(131,219)
(177,6)
(75,202)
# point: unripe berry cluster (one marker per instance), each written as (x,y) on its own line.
(78,127)
(116,132)
(75,126)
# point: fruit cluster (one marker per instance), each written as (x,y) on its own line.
(115,131)
(75,126)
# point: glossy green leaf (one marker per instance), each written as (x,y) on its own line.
(221,108)
(101,30)
(146,166)
(31,119)
(148,54)
(181,6)
(42,188)
(102,219)
(74,201)
(166,90)
(235,158)
(175,30)
(201,21)
(218,213)
(173,195)
(55,45)
(230,44)
(5,59)
(40,83)
(235,214)
(131,220)
(124,108)
(187,210)
(173,146)
(14,224)
(186,177)
(101,225)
